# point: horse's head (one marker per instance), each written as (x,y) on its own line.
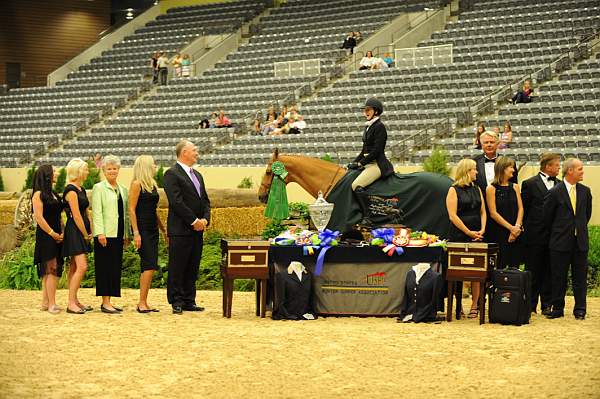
(265,184)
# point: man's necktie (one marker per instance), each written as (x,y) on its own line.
(195,181)
(573,199)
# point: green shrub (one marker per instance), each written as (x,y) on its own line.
(437,162)
(93,176)
(594,261)
(17,270)
(159,177)
(246,182)
(29,179)
(272,229)
(327,157)
(61,180)
(1,182)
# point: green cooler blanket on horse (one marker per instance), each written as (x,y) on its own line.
(416,200)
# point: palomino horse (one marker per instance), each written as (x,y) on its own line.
(420,198)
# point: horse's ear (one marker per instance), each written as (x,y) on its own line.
(275,153)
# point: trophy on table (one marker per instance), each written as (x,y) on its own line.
(320,212)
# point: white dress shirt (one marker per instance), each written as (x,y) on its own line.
(547,182)
(489,170)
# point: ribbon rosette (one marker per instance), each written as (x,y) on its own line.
(324,240)
(391,243)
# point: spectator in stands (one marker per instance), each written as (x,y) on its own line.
(204,124)
(163,68)
(367,61)
(480,129)
(47,210)
(284,111)
(349,43)
(523,95)
(78,232)
(145,223)
(298,126)
(506,136)
(110,207)
(505,206)
(466,210)
(213,120)
(284,127)
(387,58)
(154,65)
(379,63)
(177,65)
(358,36)
(222,120)
(270,125)
(186,66)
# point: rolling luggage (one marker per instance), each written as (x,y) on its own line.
(510,296)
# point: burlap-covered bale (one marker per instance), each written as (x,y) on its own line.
(7,211)
(243,222)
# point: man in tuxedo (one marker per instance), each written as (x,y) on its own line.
(485,162)
(533,191)
(567,211)
(189,214)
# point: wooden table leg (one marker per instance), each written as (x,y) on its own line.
(257,289)
(481,302)
(450,300)
(229,296)
(263,298)
(224,296)
(459,299)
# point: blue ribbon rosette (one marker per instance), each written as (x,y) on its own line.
(323,241)
(385,237)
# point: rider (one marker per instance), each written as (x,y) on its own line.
(372,160)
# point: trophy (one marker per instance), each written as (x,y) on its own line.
(320,212)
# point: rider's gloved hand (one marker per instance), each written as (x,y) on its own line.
(354,165)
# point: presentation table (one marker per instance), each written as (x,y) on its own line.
(356,281)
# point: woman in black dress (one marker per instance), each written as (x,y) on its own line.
(111,233)
(78,232)
(506,213)
(143,201)
(47,208)
(466,211)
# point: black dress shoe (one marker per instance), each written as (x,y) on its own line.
(546,311)
(579,317)
(109,311)
(118,309)
(193,308)
(177,310)
(555,315)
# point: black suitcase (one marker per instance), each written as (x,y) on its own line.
(510,297)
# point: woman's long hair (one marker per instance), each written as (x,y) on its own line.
(463,167)
(502,163)
(42,182)
(143,171)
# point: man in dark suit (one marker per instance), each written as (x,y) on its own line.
(485,162)
(189,214)
(567,211)
(533,191)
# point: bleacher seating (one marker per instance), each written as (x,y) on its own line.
(44,116)
(242,85)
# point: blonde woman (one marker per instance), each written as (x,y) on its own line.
(506,213)
(143,201)
(466,210)
(78,232)
(111,232)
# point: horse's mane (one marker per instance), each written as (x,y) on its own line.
(311,159)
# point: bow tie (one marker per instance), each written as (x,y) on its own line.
(551,178)
(490,160)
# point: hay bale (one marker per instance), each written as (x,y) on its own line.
(223,197)
(243,221)
(8,238)
(7,211)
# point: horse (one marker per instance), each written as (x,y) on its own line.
(417,200)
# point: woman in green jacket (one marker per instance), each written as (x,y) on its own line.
(111,230)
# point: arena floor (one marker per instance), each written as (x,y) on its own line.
(161,355)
